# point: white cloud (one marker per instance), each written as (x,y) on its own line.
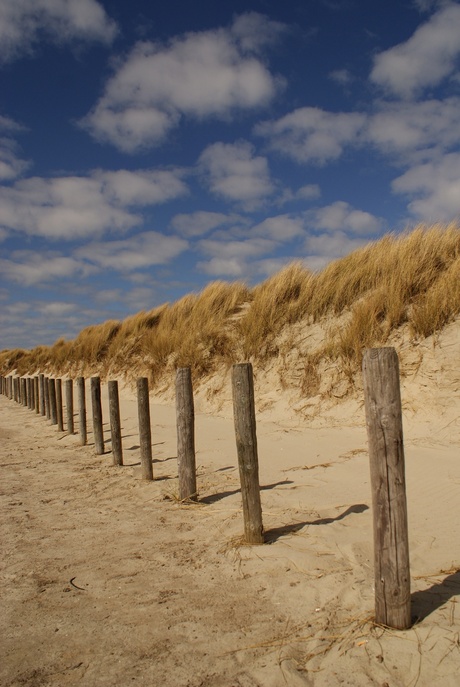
(9,125)
(280,228)
(324,247)
(24,22)
(342,216)
(435,187)
(202,74)
(143,187)
(235,174)
(30,268)
(427,58)
(56,308)
(77,207)
(231,258)
(140,251)
(310,134)
(341,76)
(11,165)
(416,130)
(308,192)
(201,222)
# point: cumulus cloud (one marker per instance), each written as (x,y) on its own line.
(230,258)
(323,247)
(78,207)
(235,173)
(30,268)
(341,76)
(415,130)
(310,134)
(342,216)
(280,228)
(428,57)
(201,222)
(140,251)
(202,74)
(24,22)
(434,187)
(11,164)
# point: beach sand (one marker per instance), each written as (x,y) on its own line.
(108,580)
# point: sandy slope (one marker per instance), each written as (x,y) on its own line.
(107,580)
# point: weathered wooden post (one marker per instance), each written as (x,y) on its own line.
(37,394)
(47,398)
(41,378)
(185,420)
(52,397)
(386,453)
(29,392)
(145,433)
(24,391)
(80,382)
(16,389)
(68,387)
(97,414)
(59,412)
(246,444)
(115,424)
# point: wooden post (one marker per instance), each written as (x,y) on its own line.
(246,444)
(185,420)
(145,434)
(115,424)
(37,394)
(41,378)
(24,391)
(68,386)
(29,393)
(97,414)
(386,453)
(52,396)
(80,382)
(16,389)
(59,413)
(47,398)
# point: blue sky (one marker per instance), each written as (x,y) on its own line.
(149,148)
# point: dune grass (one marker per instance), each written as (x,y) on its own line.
(408,279)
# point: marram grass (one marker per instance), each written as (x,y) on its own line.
(409,279)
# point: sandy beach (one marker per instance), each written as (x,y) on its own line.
(108,580)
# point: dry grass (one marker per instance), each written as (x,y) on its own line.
(412,279)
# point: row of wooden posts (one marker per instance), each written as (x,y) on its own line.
(386,452)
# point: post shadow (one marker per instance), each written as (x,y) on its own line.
(222,494)
(426,601)
(275,533)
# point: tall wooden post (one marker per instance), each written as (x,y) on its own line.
(47,398)
(145,433)
(41,379)
(115,424)
(52,397)
(246,444)
(80,383)
(185,420)
(24,391)
(386,453)
(97,414)
(59,410)
(37,394)
(29,393)
(68,386)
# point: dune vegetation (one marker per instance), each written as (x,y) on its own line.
(410,280)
